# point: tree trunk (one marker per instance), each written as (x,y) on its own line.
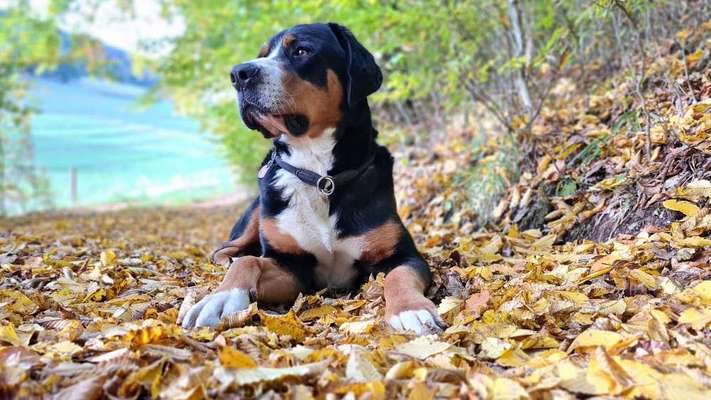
(519,51)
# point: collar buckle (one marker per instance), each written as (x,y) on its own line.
(326,185)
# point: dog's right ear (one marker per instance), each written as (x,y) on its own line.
(363,76)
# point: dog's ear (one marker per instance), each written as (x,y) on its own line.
(363,75)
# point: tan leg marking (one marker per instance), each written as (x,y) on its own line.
(404,290)
(272,283)
(223,255)
(406,307)
(380,243)
(280,241)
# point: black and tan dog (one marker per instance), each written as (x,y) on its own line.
(326,214)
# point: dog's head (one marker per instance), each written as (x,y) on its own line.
(304,80)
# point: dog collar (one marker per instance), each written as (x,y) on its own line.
(325,184)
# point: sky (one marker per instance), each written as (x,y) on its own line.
(112,26)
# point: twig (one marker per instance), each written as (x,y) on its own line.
(640,76)
(686,71)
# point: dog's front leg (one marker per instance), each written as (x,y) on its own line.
(406,307)
(249,278)
(244,237)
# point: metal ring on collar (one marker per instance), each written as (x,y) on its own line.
(326,185)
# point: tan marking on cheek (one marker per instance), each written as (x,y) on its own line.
(287,40)
(380,243)
(264,51)
(404,290)
(232,248)
(320,105)
(280,241)
(272,284)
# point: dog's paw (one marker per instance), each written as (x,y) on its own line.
(419,321)
(210,310)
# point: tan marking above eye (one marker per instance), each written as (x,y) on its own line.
(264,51)
(288,40)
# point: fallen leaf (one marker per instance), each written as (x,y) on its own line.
(685,207)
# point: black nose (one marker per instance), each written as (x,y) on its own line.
(244,74)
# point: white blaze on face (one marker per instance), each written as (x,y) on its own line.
(270,91)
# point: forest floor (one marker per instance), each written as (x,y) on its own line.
(89,302)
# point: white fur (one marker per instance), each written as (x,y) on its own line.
(418,321)
(307,216)
(212,308)
(271,90)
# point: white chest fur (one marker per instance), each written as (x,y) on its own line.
(307,218)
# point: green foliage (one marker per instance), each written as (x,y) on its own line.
(25,43)
(427,49)
(436,55)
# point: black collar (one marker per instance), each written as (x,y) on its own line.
(325,184)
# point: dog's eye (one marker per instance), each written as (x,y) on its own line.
(300,52)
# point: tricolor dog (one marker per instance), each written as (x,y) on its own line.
(326,214)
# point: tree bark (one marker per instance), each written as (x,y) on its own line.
(518,39)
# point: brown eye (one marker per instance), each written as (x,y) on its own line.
(300,52)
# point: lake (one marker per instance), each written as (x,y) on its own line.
(121,152)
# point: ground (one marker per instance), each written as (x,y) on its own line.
(90,302)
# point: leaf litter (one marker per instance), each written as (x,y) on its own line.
(89,302)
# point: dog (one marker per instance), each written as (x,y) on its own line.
(326,214)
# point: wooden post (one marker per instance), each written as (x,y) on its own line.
(73,186)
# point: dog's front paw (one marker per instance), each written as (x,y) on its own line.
(211,309)
(420,321)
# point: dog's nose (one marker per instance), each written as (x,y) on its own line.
(243,74)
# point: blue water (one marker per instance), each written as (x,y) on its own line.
(122,152)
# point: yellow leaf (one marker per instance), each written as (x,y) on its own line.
(703,290)
(448,304)
(685,207)
(360,368)
(644,278)
(318,312)
(596,337)
(357,327)
(420,391)
(401,370)
(422,347)
(8,334)
(682,386)
(658,134)
(246,376)
(233,358)
(16,302)
(513,358)
(492,348)
(64,348)
(420,374)
(698,319)
(507,389)
(285,325)
(108,258)
(694,241)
